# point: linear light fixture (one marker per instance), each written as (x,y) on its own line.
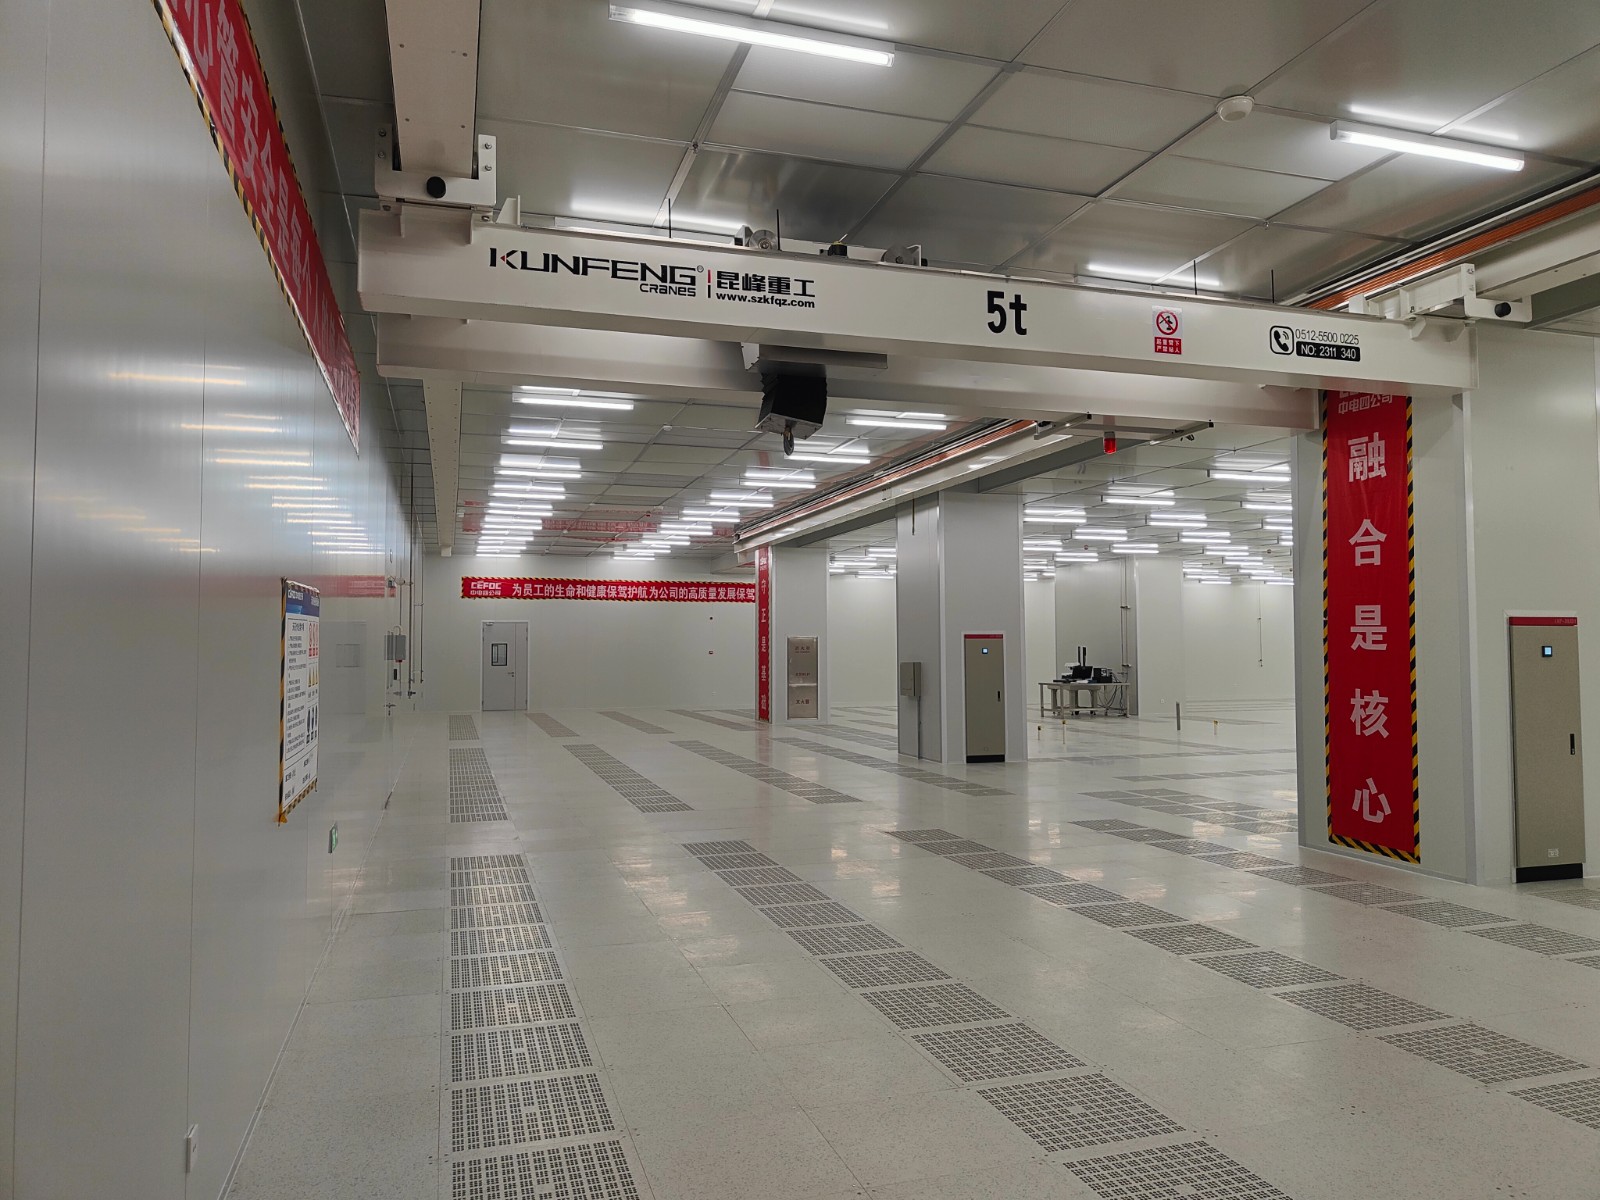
(1201,535)
(1146,501)
(722,515)
(550,443)
(767,473)
(1134,548)
(1276,508)
(1425,144)
(575,402)
(897,423)
(838,457)
(1100,535)
(761,481)
(730,27)
(1177,520)
(1267,477)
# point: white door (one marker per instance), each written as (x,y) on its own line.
(505,666)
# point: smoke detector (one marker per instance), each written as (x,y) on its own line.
(1235,108)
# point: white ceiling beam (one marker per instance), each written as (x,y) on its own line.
(440,264)
(433,51)
(442,400)
(498,354)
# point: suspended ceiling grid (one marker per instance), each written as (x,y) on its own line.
(1063,140)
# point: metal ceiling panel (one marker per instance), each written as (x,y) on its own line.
(1189,183)
(565,62)
(1414,197)
(1425,63)
(684,454)
(353,132)
(572,172)
(1553,114)
(997,31)
(819,202)
(821,131)
(960,221)
(1111,238)
(917,85)
(1033,161)
(1288,260)
(1269,141)
(1215,49)
(1092,110)
(348,49)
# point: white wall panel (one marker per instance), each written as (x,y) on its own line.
(1089,612)
(1535,519)
(591,653)
(1039,627)
(23,33)
(1159,626)
(168,924)
(1238,643)
(918,598)
(861,636)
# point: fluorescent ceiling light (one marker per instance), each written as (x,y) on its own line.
(1215,582)
(1204,536)
(730,27)
(794,484)
(1130,548)
(1248,477)
(1176,520)
(537,473)
(1040,519)
(742,499)
(1100,535)
(1425,144)
(553,443)
(1149,501)
(775,475)
(1072,556)
(712,514)
(887,552)
(575,402)
(1281,508)
(840,457)
(1278,582)
(896,423)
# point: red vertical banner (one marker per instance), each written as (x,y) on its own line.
(763,633)
(218,54)
(1369,638)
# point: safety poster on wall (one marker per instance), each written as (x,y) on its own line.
(299,680)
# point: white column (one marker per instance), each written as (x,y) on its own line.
(799,609)
(959,571)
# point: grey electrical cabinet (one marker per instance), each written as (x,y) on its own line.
(1546,748)
(803,677)
(985,676)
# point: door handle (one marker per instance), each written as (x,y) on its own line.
(1572,743)
(997,695)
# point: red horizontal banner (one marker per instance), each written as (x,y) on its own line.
(218,53)
(1369,624)
(475,587)
(1545,621)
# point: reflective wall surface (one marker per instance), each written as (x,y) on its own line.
(168,453)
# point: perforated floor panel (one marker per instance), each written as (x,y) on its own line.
(1127,913)
(751,877)
(1578,897)
(1073,893)
(703,849)
(923,835)
(594,1171)
(474,795)
(1480,1053)
(1085,1110)
(527,1110)
(711,720)
(1029,876)
(1240,860)
(1186,1171)
(883,970)
(463,729)
(494,893)
(1539,938)
(1577,1100)
(503,939)
(802,916)
(529,1005)
(550,725)
(806,789)
(957,846)
(783,893)
(635,723)
(499,970)
(995,1052)
(736,861)
(644,794)
(1189,846)
(487,916)
(1301,876)
(1442,912)
(531,1050)
(1109,824)
(1362,1007)
(1367,893)
(1190,939)
(1267,969)
(844,939)
(988,861)
(480,876)
(1141,834)
(934,1004)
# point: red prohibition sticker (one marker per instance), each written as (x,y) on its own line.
(1167,326)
